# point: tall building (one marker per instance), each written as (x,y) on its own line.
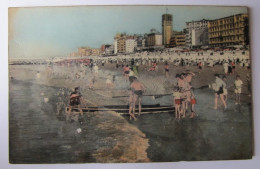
(166,29)
(231,30)
(117,36)
(196,33)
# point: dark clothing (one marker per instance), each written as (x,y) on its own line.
(229,69)
(75,100)
(220,91)
(139,93)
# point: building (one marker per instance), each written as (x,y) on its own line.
(196,33)
(82,51)
(102,48)
(87,51)
(125,43)
(117,36)
(177,39)
(199,37)
(121,45)
(115,46)
(130,45)
(154,39)
(109,49)
(166,29)
(228,31)
(140,43)
(95,52)
(172,42)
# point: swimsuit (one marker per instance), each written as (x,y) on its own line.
(220,91)
(178,101)
(138,92)
(75,101)
(193,101)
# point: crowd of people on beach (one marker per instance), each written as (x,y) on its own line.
(183,92)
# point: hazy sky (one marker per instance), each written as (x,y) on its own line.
(57,31)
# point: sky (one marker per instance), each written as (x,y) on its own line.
(39,32)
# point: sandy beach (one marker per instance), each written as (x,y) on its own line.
(109,137)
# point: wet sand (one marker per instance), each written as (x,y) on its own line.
(39,135)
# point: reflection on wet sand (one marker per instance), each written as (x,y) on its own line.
(39,132)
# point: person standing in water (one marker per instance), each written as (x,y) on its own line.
(238,88)
(75,100)
(218,88)
(166,69)
(136,93)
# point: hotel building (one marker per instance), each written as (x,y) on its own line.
(197,33)
(228,31)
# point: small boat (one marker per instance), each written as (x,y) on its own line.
(124,109)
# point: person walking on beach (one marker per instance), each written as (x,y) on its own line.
(126,70)
(229,69)
(225,65)
(233,64)
(193,102)
(166,70)
(109,83)
(238,88)
(200,66)
(218,88)
(186,90)
(225,91)
(137,90)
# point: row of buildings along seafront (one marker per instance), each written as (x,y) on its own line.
(86,51)
(227,31)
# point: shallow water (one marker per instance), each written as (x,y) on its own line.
(38,135)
